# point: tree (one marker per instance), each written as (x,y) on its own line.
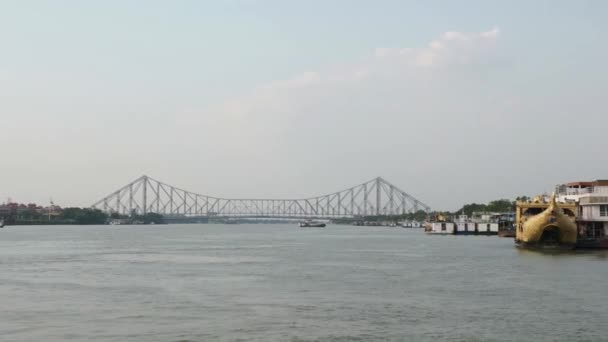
(154,218)
(501,205)
(85,215)
(496,206)
(419,215)
(469,209)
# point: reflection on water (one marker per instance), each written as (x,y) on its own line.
(568,253)
(282,283)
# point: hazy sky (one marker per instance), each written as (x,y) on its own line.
(452,101)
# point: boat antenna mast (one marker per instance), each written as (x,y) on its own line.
(50,207)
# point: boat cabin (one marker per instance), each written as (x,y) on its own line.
(442,228)
(591,199)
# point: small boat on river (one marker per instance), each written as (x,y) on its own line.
(311,224)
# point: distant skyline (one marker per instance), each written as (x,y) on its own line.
(453,102)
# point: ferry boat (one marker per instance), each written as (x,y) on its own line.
(506,232)
(479,224)
(439,225)
(506,225)
(591,199)
(410,224)
(119,221)
(441,228)
(463,225)
(311,224)
(542,224)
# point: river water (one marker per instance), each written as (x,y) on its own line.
(283,283)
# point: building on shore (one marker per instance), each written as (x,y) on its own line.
(13,209)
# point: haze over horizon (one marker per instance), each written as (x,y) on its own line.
(452,102)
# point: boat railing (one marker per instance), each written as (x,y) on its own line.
(585,191)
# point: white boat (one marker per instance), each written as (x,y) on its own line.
(441,228)
(311,224)
(475,226)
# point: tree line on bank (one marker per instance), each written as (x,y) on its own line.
(90,216)
(496,206)
(148,218)
(75,215)
(419,216)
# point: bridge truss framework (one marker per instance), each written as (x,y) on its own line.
(376,197)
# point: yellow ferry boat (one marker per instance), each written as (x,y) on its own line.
(545,224)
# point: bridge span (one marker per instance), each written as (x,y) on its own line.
(376,197)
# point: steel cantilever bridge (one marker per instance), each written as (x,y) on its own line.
(147,195)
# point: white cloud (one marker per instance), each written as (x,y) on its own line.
(450,48)
(493,33)
(304,79)
(361,116)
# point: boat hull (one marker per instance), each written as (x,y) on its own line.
(539,245)
(507,233)
(458,232)
(592,243)
(475,233)
(312,225)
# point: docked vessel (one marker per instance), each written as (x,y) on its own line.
(592,211)
(478,225)
(311,224)
(506,225)
(410,224)
(463,225)
(440,225)
(542,224)
(507,232)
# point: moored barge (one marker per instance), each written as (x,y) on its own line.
(462,225)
